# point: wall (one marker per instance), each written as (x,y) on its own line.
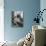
(29,7)
(43,6)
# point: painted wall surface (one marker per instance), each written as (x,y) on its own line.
(29,7)
(43,6)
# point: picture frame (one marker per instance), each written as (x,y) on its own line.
(17,18)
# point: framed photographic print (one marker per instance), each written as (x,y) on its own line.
(17,18)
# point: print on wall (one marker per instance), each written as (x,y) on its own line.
(17,18)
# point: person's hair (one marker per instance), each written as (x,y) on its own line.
(18,16)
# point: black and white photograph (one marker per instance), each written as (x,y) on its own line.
(17,18)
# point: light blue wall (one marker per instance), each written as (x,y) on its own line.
(43,6)
(29,7)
